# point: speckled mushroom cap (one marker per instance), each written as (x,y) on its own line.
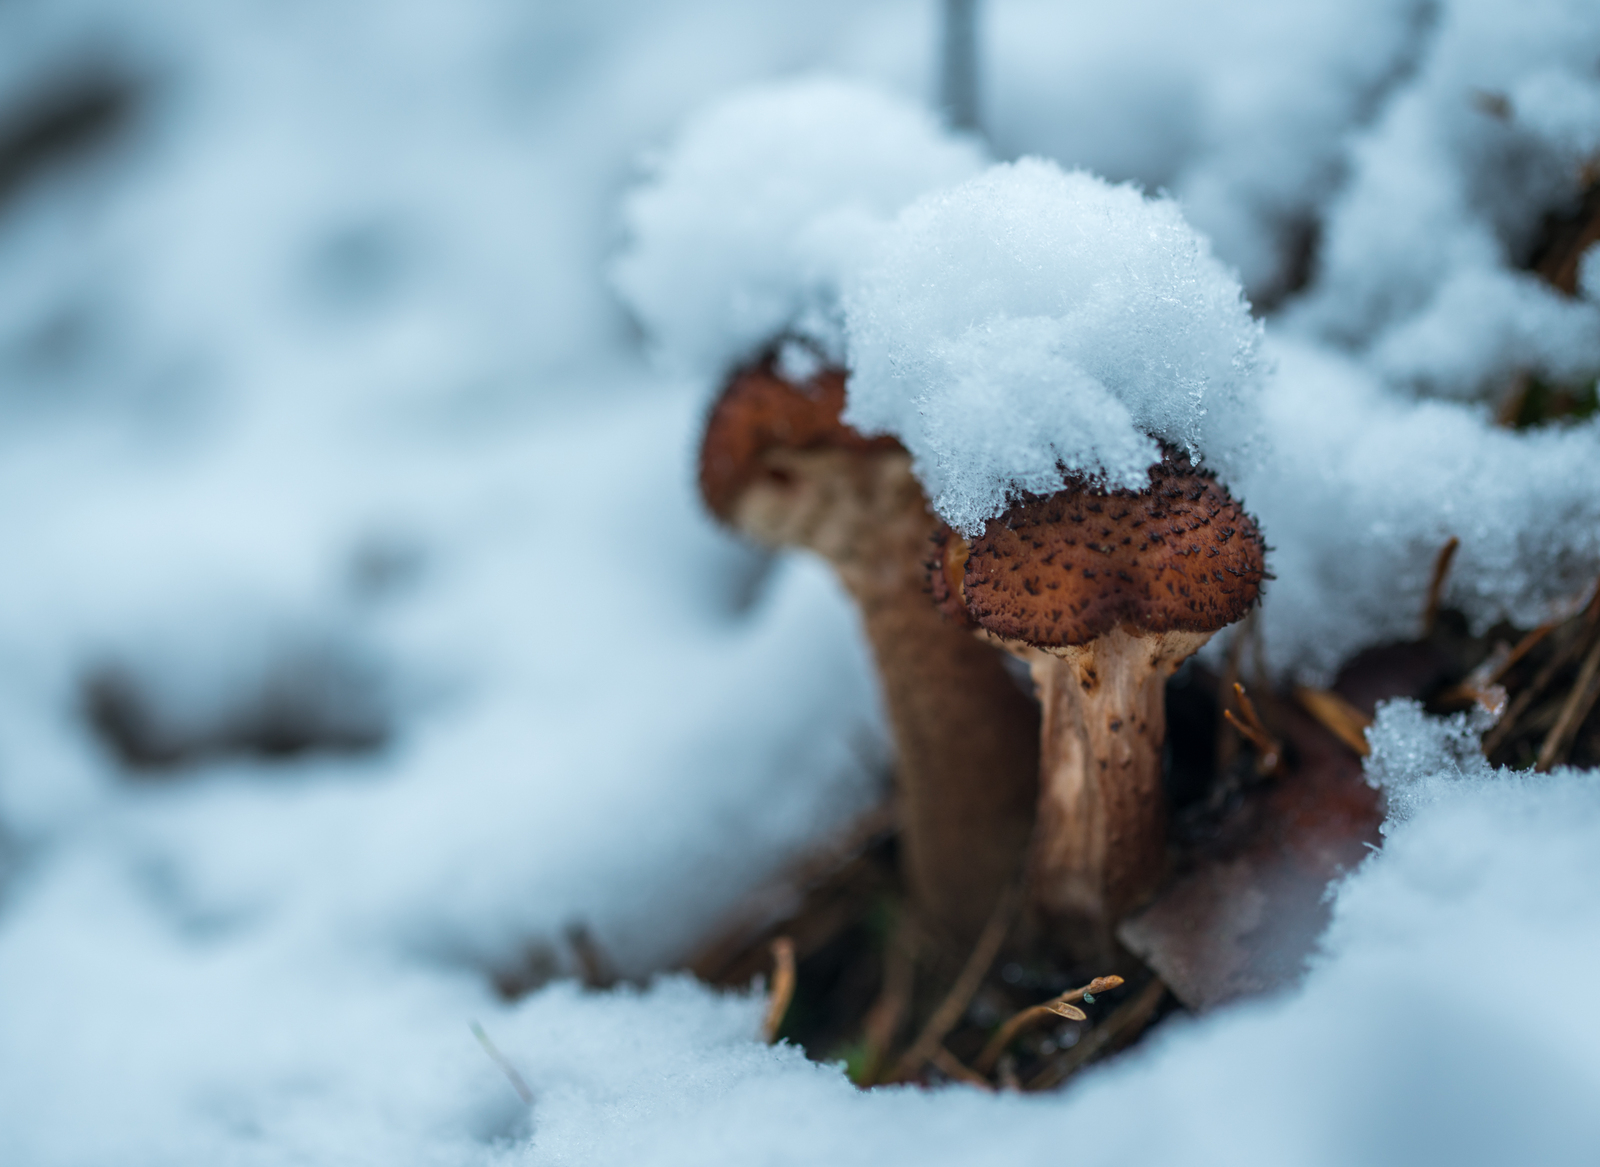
(1181,556)
(760,410)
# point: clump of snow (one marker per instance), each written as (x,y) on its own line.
(1447,195)
(1033,323)
(1357,489)
(1416,759)
(747,224)
(1241,110)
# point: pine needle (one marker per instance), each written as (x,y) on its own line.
(783,982)
(952,1067)
(1441,570)
(1269,750)
(888,1012)
(1337,716)
(1531,692)
(1576,707)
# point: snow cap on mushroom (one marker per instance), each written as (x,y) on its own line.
(1032,325)
(745,226)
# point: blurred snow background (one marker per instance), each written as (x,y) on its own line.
(331,467)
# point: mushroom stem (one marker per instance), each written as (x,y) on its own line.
(966,735)
(1101,843)
(968,755)
(778,465)
(1104,594)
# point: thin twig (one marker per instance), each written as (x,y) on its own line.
(1058,1007)
(958,72)
(949,1012)
(1501,733)
(1127,1021)
(1269,751)
(517,1082)
(1441,569)
(783,980)
(1524,646)
(1576,707)
(1337,716)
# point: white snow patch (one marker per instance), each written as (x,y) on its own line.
(748,224)
(1358,489)
(1447,193)
(1034,323)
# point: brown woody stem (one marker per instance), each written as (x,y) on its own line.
(966,734)
(1100,849)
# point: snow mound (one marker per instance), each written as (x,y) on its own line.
(1449,191)
(1033,323)
(745,226)
(1423,1034)
(1357,489)
(1242,110)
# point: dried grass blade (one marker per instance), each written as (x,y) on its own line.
(966,984)
(1337,716)
(1441,571)
(1576,707)
(783,982)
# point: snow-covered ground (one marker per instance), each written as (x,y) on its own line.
(313,381)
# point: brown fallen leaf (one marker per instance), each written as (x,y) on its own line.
(1247,907)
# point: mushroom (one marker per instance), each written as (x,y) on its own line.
(779,466)
(1103,594)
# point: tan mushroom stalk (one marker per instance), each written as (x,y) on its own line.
(1104,594)
(778,465)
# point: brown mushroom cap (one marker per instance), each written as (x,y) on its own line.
(1181,556)
(760,410)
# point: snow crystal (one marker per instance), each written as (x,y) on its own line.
(1416,758)
(1032,323)
(746,226)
